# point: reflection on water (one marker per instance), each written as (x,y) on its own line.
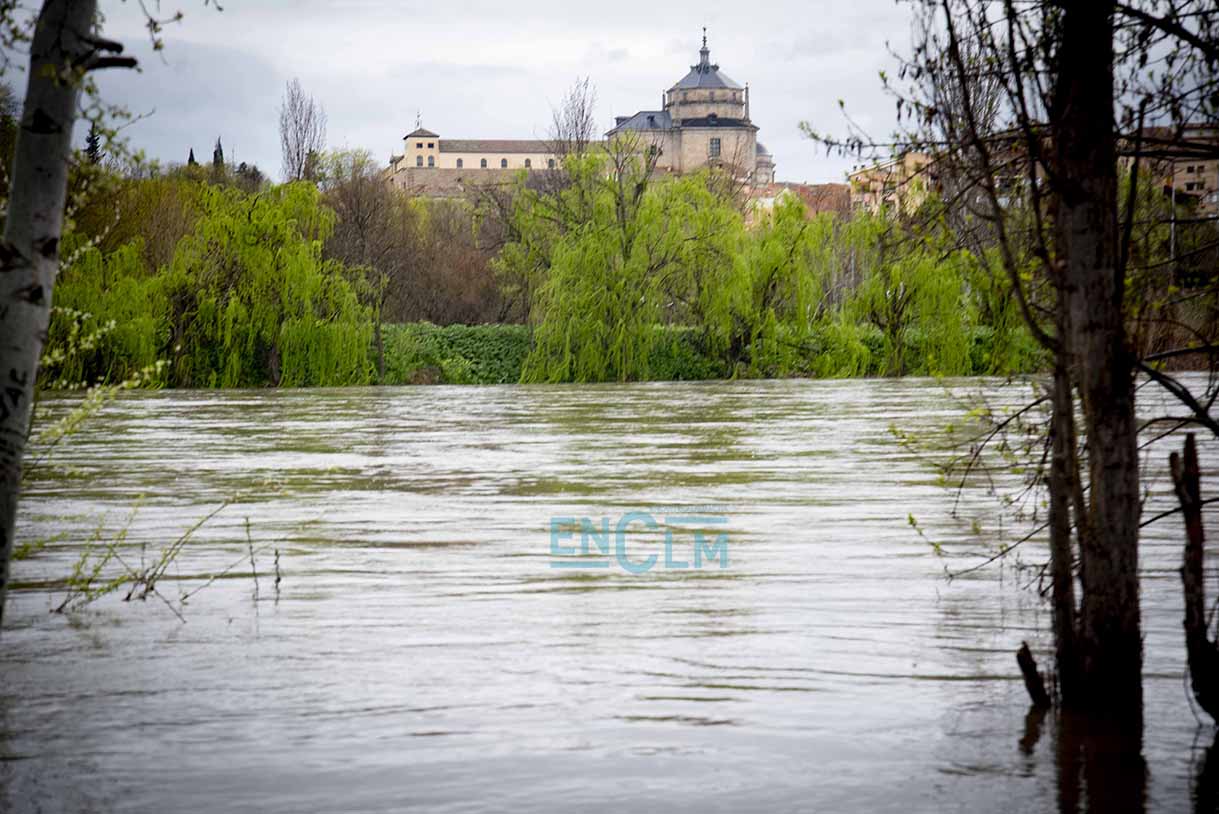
(1206,780)
(423,653)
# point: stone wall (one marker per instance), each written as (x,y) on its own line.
(738,147)
(447,183)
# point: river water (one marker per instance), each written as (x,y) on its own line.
(430,644)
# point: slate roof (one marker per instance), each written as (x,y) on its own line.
(507,146)
(704,74)
(421,133)
(646,120)
(717,121)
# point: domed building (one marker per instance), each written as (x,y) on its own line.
(705,122)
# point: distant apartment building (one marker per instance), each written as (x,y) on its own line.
(899,185)
(1194,176)
(704,122)
(1185,164)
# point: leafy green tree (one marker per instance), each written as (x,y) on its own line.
(245,300)
(609,255)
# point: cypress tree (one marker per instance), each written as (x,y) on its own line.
(190,159)
(93,146)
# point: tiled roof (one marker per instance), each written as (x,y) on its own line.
(506,146)
(421,133)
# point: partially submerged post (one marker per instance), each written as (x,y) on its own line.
(1202,653)
(1032,678)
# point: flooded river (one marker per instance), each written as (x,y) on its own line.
(458,626)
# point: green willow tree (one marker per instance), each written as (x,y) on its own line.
(609,255)
(247,299)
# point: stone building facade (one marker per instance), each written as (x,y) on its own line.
(430,165)
(704,122)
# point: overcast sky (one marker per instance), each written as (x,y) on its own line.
(489,69)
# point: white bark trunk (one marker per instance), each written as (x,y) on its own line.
(29,252)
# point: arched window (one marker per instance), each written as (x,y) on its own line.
(459,164)
(418,161)
(550,163)
(483,163)
(528,164)
(431,160)
(503,163)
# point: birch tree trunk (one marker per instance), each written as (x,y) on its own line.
(60,54)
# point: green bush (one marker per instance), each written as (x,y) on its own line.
(422,353)
(679,354)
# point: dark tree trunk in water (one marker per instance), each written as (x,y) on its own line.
(1062,574)
(1201,652)
(1086,231)
(1032,678)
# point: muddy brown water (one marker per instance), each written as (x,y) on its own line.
(427,648)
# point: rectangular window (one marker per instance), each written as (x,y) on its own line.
(715,148)
(431,145)
(418,145)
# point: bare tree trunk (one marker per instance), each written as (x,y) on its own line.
(1082,120)
(29,254)
(1201,652)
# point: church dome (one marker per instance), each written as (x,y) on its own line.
(704,74)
